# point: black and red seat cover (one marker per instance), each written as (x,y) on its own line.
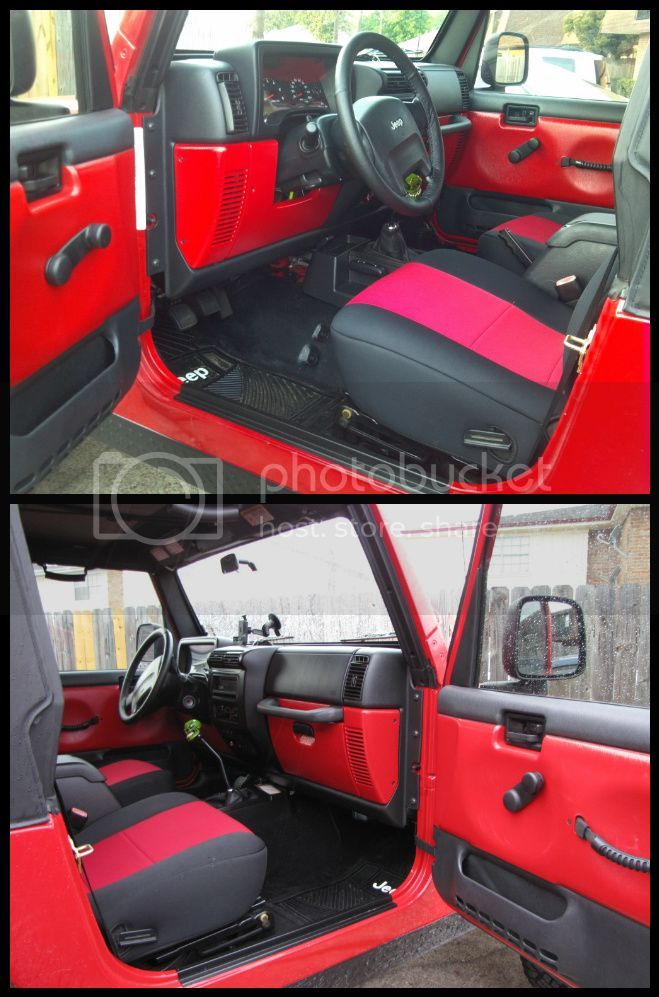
(531,232)
(131,780)
(451,344)
(171,864)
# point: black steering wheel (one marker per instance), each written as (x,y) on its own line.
(382,135)
(140,694)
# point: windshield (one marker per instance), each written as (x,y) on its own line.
(314,579)
(209,30)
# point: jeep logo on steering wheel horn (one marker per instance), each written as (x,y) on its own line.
(398,123)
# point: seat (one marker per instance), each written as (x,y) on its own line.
(451,345)
(531,232)
(172,866)
(100,791)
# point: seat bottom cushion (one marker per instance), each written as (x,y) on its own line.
(449,345)
(172,864)
(532,232)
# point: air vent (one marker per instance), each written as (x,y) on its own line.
(230,84)
(395,84)
(224,658)
(464,89)
(354,680)
(230,207)
(356,749)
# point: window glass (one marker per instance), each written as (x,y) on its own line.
(413,30)
(93,623)
(54,91)
(586,54)
(315,579)
(597,555)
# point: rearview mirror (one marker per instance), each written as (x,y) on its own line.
(231,563)
(505,60)
(544,639)
(62,574)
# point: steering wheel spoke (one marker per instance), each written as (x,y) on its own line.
(141,685)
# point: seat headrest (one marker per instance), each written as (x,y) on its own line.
(22,64)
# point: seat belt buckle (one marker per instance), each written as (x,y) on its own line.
(77,818)
(580,346)
(80,852)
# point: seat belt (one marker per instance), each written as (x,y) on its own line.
(583,320)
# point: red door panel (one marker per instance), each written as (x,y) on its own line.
(46,320)
(358,756)
(482,162)
(83,702)
(608,787)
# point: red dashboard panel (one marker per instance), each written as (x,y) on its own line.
(225,202)
(358,756)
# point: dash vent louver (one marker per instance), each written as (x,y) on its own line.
(221,658)
(464,89)
(354,680)
(231,84)
(396,85)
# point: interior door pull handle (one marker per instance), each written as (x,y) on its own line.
(60,266)
(524,792)
(608,851)
(81,726)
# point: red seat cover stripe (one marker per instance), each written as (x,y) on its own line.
(474,318)
(129,769)
(531,227)
(155,839)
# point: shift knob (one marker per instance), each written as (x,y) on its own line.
(310,139)
(192,729)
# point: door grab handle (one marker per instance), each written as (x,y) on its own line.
(60,266)
(320,715)
(524,792)
(608,851)
(525,150)
(82,726)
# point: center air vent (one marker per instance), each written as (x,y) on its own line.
(354,680)
(223,658)
(464,89)
(232,97)
(397,85)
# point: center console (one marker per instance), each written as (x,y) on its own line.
(236,678)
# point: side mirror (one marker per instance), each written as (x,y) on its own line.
(230,563)
(505,60)
(141,634)
(544,639)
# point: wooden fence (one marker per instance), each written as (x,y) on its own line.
(617,641)
(98,639)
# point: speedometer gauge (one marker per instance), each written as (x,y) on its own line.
(299,92)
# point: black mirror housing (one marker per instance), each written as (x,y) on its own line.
(229,563)
(143,631)
(544,639)
(505,60)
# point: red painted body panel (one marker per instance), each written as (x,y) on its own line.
(85,701)
(358,756)
(128,45)
(50,950)
(609,787)
(225,202)
(483,162)
(45,320)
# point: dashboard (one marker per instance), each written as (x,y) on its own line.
(332,719)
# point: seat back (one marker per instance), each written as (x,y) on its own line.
(631,169)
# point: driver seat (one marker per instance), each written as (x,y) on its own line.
(98,792)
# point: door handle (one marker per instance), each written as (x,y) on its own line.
(608,851)
(81,726)
(524,792)
(60,266)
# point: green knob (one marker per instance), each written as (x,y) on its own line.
(192,729)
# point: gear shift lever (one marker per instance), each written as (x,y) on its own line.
(192,731)
(391,242)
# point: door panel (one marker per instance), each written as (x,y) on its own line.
(528,872)
(74,346)
(82,702)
